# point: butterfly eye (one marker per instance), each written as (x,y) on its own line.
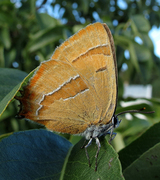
(115,121)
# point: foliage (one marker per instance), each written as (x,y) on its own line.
(29,35)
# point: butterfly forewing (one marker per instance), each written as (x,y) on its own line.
(77,87)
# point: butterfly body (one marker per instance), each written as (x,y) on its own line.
(101,130)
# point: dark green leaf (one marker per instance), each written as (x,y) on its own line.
(5,36)
(10,84)
(36,154)
(2,60)
(9,79)
(140,146)
(147,166)
(76,163)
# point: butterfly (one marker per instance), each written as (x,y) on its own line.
(75,92)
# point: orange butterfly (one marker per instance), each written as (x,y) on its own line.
(75,91)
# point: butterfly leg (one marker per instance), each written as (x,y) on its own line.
(97,153)
(89,143)
(112,136)
(83,144)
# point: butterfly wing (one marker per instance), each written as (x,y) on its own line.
(77,87)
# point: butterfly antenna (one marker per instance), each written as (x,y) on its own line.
(136,111)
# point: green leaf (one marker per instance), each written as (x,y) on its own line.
(146,166)
(5,136)
(10,83)
(141,23)
(33,6)
(146,40)
(133,151)
(41,154)
(76,164)
(10,57)
(9,79)
(142,53)
(45,20)
(5,36)
(127,43)
(35,154)
(134,28)
(134,57)
(45,37)
(85,6)
(2,59)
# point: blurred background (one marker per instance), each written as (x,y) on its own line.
(30,30)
